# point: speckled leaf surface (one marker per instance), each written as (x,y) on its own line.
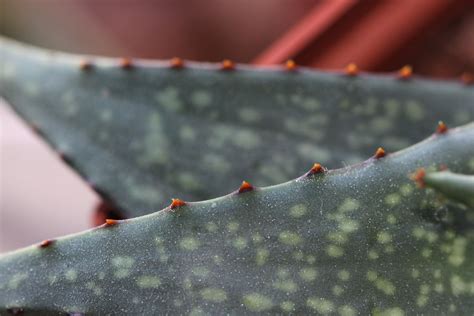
(149,132)
(354,241)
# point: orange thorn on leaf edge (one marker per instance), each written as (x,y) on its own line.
(290,64)
(176,63)
(46,243)
(111,222)
(441,128)
(317,168)
(176,203)
(126,63)
(352,69)
(406,72)
(245,187)
(379,153)
(227,64)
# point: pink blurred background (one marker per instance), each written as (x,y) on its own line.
(39,196)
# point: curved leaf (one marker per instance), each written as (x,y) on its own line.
(358,240)
(143,132)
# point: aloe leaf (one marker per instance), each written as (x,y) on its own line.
(353,241)
(141,132)
(458,187)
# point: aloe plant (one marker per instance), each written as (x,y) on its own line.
(141,132)
(362,239)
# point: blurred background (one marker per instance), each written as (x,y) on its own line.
(41,198)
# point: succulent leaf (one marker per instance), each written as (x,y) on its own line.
(458,187)
(357,240)
(143,131)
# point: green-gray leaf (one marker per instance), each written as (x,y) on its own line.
(144,134)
